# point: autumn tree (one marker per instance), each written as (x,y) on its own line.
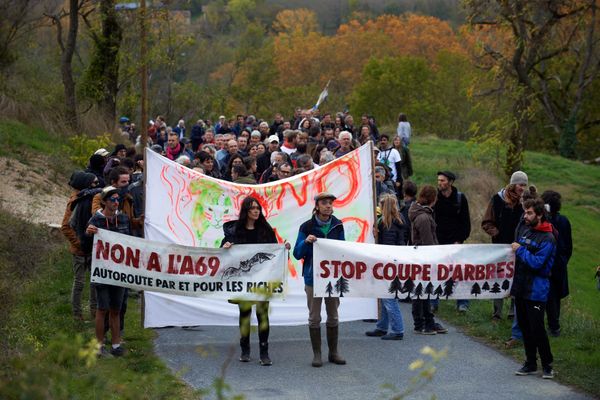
(545,55)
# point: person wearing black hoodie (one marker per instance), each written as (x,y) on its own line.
(77,214)
(96,167)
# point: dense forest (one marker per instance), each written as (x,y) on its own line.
(509,75)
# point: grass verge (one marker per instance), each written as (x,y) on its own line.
(46,354)
(576,357)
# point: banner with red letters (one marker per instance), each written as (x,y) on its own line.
(465,271)
(245,272)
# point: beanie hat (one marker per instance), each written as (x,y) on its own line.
(519,178)
(81,180)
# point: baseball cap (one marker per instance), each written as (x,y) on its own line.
(102,151)
(273,138)
(108,191)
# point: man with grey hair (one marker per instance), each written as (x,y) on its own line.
(346,146)
(180,129)
(503,214)
(264,130)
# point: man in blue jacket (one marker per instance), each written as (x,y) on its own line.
(535,248)
(322,225)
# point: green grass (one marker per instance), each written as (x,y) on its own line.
(577,358)
(17,138)
(46,354)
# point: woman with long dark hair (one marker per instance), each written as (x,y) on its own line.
(251,227)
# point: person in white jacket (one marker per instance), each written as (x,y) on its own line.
(404,130)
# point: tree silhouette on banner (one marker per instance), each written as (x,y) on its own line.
(429,290)
(395,287)
(409,286)
(419,291)
(495,288)
(329,289)
(448,288)
(341,286)
(486,286)
(438,291)
(475,289)
(506,285)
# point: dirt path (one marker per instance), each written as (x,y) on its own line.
(30,193)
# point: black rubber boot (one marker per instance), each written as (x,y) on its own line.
(245,345)
(315,340)
(264,354)
(332,342)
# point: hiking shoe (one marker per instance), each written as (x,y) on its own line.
(438,328)
(118,352)
(511,342)
(393,336)
(376,332)
(526,369)
(548,372)
(426,331)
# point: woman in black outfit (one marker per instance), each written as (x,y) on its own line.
(251,227)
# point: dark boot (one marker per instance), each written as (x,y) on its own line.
(245,345)
(332,342)
(264,354)
(315,340)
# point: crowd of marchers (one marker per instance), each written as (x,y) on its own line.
(109,194)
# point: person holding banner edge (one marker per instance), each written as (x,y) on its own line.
(250,228)
(323,224)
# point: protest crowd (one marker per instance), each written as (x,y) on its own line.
(109,194)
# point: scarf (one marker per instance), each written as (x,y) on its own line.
(511,196)
(172,153)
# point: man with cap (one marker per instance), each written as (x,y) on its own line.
(503,214)
(323,224)
(109,297)
(452,217)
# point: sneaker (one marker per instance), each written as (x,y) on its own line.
(511,342)
(376,332)
(393,336)
(438,328)
(463,308)
(426,331)
(118,352)
(245,357)
(526,369)
(548,372)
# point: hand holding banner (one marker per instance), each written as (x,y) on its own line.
(244,272)
(465,271)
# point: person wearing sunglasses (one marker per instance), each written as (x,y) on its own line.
(110,297)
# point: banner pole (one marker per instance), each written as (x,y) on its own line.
(374,186)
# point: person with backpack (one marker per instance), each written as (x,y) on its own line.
(77,214)
(391,230)
(451,213)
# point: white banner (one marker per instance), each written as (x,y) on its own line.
(460,271)
(188,208)
(244,272)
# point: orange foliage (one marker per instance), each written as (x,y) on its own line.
(295,22)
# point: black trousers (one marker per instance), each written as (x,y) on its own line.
(530,316)
(262,314)
(422,315)
(553,308)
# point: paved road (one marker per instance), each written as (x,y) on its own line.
(470,371)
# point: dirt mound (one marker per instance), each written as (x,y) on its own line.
(31,192)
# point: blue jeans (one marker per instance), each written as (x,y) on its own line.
(515,331)
(390,316)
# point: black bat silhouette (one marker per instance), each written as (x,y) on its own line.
(246,266)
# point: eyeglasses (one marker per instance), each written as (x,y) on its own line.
(113,199)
